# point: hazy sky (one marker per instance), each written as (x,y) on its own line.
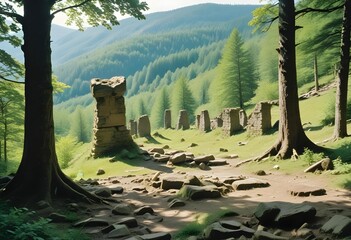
(165,5)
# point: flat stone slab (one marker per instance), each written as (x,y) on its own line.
(199,192)
(338,225)
(249,183)
(306,191)
(171,183)
(218,231)
(91,222)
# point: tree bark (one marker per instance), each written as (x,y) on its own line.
(39,177)
(340,128)
(316,80)
(291,134)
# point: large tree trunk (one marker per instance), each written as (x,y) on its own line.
(291,134)
(39,176)
(340,129)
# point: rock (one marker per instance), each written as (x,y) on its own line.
(152,217)
(156,236)
(183,121)
(249,183)
(143,210)
(165,147)
(263,235)
(260,173)
(156,176)
(276,167)
(304,233)
(216,231)
(144,127)
(178,158)
(162,158)
(205,122)
(117,231)
(193,180)
(157,150)
(306,191)
(122,209)
(217,163)
(171,183)
(204,159)
(91,222)
(141,230)
(198,192)
(223,150)
(130,222)
(167,119)
(259,122)
(233,156)
(103,192)
(232,179)
(338,225)
(193,145)
(204,167)
(116,190)
(156,184)
(283,214)
(322,165)
(175,203)
(58,218)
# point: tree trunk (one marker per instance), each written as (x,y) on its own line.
(5,138)
(340,129)
(241,101)
(316,80)
(291,134)
(39,176)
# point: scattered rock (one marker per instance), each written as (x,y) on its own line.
(157,150)
(103,192)
(162,158)
(117,190)
(178,158)
(217,163)
(249,183)
(91,222)
(143,210)
(276,167)
(100,172)
(263,235)
(156,236)
(175,203)
(338,225)
(307,191)
(122,209)
(216,231)
(172,183)
(223,150)
(260,173)
(156,176)
(193,145)
(130,222)
(204,159)
(204,167)
(152,217)
(198,192)
(232,179)
(165,147)
(118,231)
(283,214)
(193,180)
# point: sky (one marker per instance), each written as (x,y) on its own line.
(166,5)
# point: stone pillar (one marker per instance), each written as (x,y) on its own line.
(231,122)
(110,132)
(183,120)
(167,119)
(243,118)
(260,119)
(144,127)
(197,123)
(205,123)
(133,127)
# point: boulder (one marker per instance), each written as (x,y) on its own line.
(178,158)
(130,222)
(217,163)
(283,214)
(193,180)
(103,192)
(100,172)
(199,192)
(338,225)
(249,183)
(322,165)
(156,236)
(118,231)
(171,183)
(216,231)
(175,203)
(91,222)
(204,167)
(117,190)
(205,159)
(157,150)
(143,210)
(122,209)
(305,191)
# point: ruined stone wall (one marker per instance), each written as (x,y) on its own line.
(260,119)
(183,120)
(110,132)
(167,119)
(231,121)
(205,122)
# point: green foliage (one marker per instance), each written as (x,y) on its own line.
(340,167)
(235,79)
(310,157)
(329,110)
(182,99)
(266,91)
(21,224)
(65,148)
(79,126)
(161,104)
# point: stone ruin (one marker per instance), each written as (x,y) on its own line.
(110,132)
(144,126)
(231,122)
(243,118)
(197,121)
(183,120)
(217,122)
(167,119)
(205,123)
(133,127)
(260,119)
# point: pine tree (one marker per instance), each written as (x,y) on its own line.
(235,79)
(182,99)
(159,107)
(79,128)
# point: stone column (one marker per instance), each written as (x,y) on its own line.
(205,123)
(197,123)
(167,119)
(110,132)
(133,127)
(144,127)
(243,118)
(231,122)
(183,120)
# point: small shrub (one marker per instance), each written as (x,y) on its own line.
(310,157)
(65,149)
(340,167)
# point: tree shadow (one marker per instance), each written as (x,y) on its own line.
(151,139)
(157,134)
(313,128)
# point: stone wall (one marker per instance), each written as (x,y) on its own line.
(260,119)
(231,122)
(110,132)
(183,120)
(167,119)
(133,127)
(205,123)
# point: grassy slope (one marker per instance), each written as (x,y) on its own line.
(312,111)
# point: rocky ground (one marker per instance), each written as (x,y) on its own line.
(264,205)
